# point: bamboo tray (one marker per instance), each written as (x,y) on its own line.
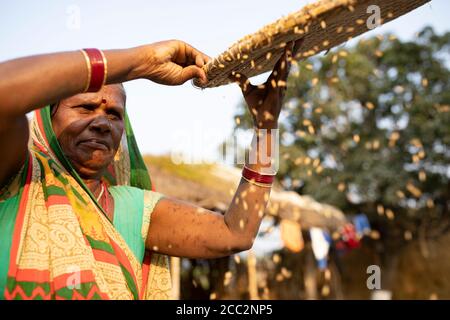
(322,25)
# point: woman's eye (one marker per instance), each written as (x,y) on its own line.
(113,114)
(86,109)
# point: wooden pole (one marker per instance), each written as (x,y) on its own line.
(175,272)
(310,276)
(252,277)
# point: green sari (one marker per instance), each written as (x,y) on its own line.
(57,242)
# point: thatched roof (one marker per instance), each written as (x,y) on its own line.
(213,186)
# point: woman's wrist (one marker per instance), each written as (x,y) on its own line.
(122,65)
(129,64)
(263,151)
(142,62)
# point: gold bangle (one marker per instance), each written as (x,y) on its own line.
(267,174)
(257,183)
(88,64)
(106,67)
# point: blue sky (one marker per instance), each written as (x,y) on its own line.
(165,118)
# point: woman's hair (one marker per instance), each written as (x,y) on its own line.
(53,108)
(124,92)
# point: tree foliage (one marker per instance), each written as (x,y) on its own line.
(367,129)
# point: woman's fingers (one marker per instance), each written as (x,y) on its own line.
(199,62)
(278,77)
(285,64)
(191,72)
(192,54)
(297,47)
(194,60)
(242,81)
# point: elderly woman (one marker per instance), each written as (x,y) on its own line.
(76,200)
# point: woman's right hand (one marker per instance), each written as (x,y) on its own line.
(171,62)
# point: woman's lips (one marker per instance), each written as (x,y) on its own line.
(95,144)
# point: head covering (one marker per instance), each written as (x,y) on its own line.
(128,167)
(60,244)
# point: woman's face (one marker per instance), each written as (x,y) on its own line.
(89,128)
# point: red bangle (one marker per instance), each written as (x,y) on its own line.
(254,176)
(96,64)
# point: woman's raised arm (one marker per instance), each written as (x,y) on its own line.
(33,82)
(181,229)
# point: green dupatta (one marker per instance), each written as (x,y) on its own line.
(48,183)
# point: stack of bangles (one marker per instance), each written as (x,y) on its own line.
(258,179)
(97,69)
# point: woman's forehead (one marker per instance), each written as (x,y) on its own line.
(110,94)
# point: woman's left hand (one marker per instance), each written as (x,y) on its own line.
(265,101)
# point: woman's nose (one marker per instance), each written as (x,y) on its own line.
(101,124)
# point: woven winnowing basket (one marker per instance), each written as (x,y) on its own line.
(322,25)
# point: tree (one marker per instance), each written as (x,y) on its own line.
(367,129)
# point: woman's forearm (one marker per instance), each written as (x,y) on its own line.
(185,230)
(33,82)
(246,210)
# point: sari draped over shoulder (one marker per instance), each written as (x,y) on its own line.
(56,241)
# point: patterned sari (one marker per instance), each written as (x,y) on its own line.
(56,241)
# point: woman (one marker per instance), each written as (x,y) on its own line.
(76,204)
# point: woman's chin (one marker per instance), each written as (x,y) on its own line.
(90,173)
(93,167)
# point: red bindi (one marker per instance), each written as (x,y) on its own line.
(104,101)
